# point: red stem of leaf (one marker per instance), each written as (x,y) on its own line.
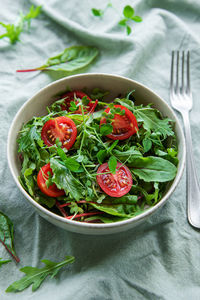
(79,202)
(14,256)
(85,215)
(93,107)
(61,209)
(28,70)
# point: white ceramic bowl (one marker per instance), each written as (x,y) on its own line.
(36,106)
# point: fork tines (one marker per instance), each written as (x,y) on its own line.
(185,74)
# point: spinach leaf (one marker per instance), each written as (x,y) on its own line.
(152,168)
(71,60)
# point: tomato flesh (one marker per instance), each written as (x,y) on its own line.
(124,126)
(52,190)
(70,96)
(62,128)
(115,185)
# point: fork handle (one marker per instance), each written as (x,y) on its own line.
(192,186)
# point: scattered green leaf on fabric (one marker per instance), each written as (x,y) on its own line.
(72,59)
(7,235)
(100,12)
(35,276)
(128,17)
(12,31)
(2,262)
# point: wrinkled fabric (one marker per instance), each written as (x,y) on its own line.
(160,259)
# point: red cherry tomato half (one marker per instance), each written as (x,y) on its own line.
(123,126)
(70,96)
(115,185)
(52,190)
(62,128)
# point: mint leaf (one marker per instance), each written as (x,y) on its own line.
(112,164)
(35,276)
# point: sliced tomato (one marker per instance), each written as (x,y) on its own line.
(71,96)
(62,128)
(123,125)
(52,190)
(115,185)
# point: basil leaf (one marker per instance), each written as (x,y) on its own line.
(112,164)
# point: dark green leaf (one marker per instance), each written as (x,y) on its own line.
(101,155)
(147,143)
(152,168)
(128,11)
(106,129)
(7,235)
(112,164)
(35,276)
(70,163)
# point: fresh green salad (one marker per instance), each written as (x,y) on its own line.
(97,162)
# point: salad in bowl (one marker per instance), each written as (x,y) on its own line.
(96,153)
(92,161)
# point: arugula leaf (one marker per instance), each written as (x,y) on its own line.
(13,31)
(64,179)
(4,261)
(7,235)
(152,168)
(101,155)
(123,155)
(152,123)
(112,164)
(72,59)
(70,163)
(36,276)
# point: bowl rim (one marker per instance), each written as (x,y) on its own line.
(61,219)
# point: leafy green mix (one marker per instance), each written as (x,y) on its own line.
(151,156)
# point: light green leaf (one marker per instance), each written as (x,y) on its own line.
(128,11)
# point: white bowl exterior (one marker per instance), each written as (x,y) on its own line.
(36,106)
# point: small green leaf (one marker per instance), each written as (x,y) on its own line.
(112,164)
(106,129)
(136,19)
(101,155)
(123,22)
(2,262)
(97,12)
(128,11)
(128,30)
(147,143)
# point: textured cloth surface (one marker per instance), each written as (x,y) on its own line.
(158,260)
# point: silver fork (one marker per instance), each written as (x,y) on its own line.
(181,100)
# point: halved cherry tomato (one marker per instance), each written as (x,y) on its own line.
(52,190)
(115,185)
(70,96)
(123,125)
(62,128)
